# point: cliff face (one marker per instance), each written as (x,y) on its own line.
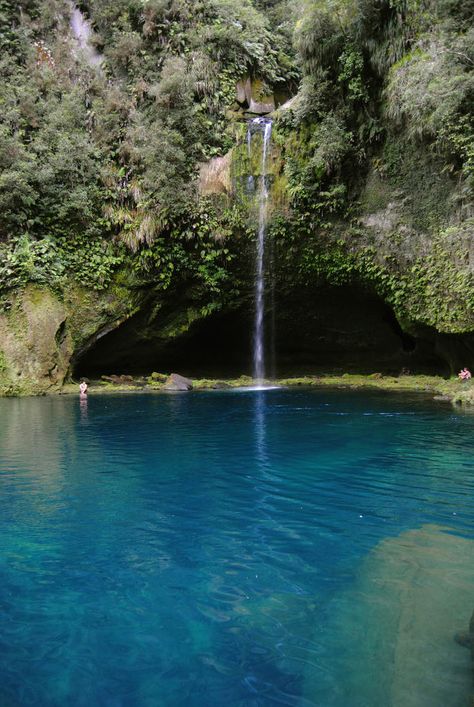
(42,333)
(126,228)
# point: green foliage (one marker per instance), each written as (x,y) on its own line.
(428,88)
(319,36)
(3,364)
(314,156)
(13,34)
(98,164)
(431,93)
(387,90)
(199,249)
(48,262)
(29,261)
(93,159)
(92,262)
(410,63)
(382,29)
(351,76)
(459,12)
(440,288)
(436,290)
(419,179)
(332,141)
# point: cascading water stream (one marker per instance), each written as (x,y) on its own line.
(263,125)
(82,32)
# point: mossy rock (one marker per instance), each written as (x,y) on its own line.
(42,332)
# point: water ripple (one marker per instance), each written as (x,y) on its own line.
(228,548)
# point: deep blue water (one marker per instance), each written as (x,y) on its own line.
(234,548)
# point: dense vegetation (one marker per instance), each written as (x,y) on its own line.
(382,135)
(99,160)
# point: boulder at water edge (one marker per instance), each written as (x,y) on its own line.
(177,382)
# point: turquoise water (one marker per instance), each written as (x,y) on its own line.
(282,547)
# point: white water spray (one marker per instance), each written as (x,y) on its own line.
(263,125)
(81,30)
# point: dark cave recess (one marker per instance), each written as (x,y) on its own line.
(331,329)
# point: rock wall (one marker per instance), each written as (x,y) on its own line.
(41,332)
(405,239)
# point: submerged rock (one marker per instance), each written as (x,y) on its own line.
(177,382)
(466,640)
(393,632)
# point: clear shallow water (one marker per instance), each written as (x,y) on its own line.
(280,547)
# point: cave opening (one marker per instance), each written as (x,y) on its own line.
(317,330)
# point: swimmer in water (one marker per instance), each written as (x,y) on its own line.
(83,389)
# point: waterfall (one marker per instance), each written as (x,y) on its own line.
(82,32)
(264,126)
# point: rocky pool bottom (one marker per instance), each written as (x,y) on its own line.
(293,546)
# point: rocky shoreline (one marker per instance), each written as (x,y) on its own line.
(440,389)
